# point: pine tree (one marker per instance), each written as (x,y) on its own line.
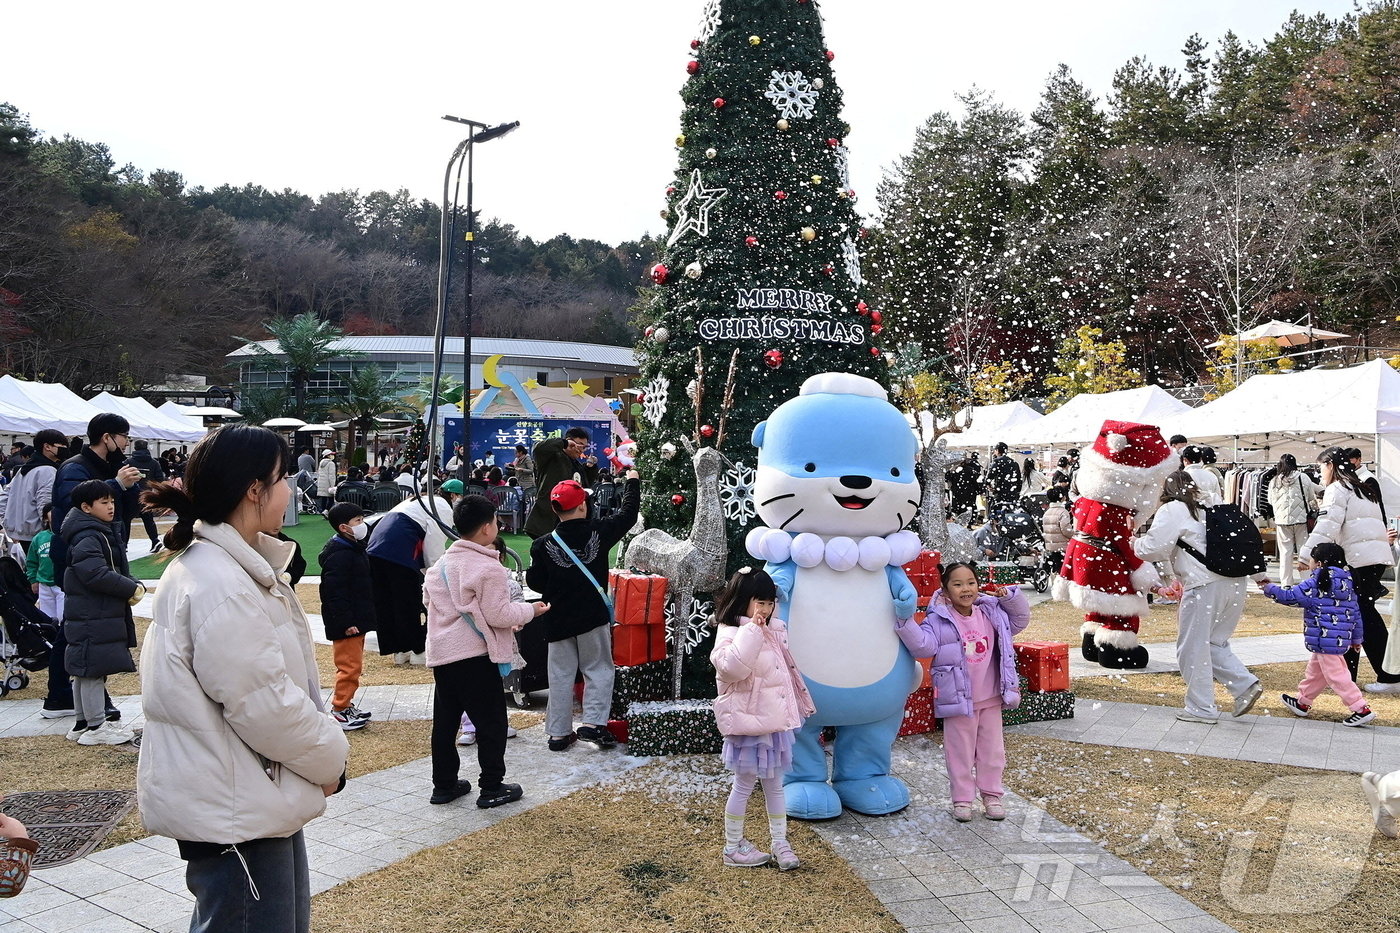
(760,273)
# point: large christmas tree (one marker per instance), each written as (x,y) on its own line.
(760,273)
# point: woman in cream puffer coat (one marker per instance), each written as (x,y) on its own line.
(239,752)
(1292,495)
(1351,518)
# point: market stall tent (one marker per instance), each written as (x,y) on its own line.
(55,405)
(989,422)
(147,421)
(1303,413)
(1078,421)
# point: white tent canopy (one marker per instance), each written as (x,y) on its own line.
(147,422)
(54,405)
(198,412)
(15,420)
(989,422)
(1078,421)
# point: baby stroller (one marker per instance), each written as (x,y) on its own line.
(533,647)
(26,634)
(306,488)
(1026,548)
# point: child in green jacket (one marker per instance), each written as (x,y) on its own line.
(38,567)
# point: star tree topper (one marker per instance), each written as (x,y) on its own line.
(693,211)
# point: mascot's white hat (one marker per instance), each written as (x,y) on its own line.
(1133,453)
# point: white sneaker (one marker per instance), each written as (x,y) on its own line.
(1385,822)
(467,738)
(418,659)
(510,732)
(75,733)
(1383,688)
(106,734)
(401,657)
(1185,716)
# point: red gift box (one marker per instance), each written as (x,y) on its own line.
(918,712)
(618,727)
(1044,664)
(638,644)
(638,598)
(923,573)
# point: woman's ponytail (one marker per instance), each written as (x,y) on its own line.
(171,497)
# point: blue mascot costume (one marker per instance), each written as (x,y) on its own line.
(835,485)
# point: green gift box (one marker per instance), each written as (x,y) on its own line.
(1040,707)
(649,681)
(672,727)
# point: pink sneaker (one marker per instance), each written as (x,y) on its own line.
(744,855)
(786,858)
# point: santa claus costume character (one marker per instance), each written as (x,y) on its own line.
(1119,479)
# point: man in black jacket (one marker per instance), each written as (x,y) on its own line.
(578,624)
(1003,480)
(151,472)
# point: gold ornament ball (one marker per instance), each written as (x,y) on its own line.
(841,194)
(809,234)
(665,214)
(816,179)
(680,140)
(711,153)
(783,125)
(755,40)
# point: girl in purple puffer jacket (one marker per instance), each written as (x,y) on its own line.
(1332,626)
(968,634)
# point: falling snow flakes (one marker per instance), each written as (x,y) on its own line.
(792,94)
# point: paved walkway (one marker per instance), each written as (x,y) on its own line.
(379,819)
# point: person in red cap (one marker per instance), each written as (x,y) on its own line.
(569,569)
(1118,481)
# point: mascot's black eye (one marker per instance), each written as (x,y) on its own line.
(894,471)
(810,468)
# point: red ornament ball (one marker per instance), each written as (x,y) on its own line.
(719,103)
(695,43)
(874,351)
(780,195)
(650,330)
(830,55)
(829,269)
(876,328)
(659,273)
(670,189)
(862,308)
(678,499)
(692,66)
(774,358)
(876,316)
(833,142)
(750,241)
(707,430)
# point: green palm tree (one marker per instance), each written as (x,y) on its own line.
(369,394)
(305,344)
(260,404)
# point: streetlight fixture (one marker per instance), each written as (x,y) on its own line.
(476,133)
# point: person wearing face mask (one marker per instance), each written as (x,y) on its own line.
(32,488)
(347,607)
(102,459)
(558,459)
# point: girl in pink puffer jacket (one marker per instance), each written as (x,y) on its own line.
(762,702)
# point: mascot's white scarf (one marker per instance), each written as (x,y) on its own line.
(839,553)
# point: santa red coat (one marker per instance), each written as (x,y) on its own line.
(1104,576)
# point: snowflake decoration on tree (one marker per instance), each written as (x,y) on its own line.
(696,624)
(736,493)
(792,94)
(709,20)
(693,211)
(852,257)
(654,402)
(843,165)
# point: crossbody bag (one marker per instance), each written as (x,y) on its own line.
(588,574)
(504,667)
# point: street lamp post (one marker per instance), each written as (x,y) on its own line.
(476,133)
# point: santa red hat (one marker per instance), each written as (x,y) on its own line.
(1132,447)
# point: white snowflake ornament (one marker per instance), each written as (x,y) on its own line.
(792,94)
(843,165)
(694,627)
(709,20)
(654,403)
(736,493)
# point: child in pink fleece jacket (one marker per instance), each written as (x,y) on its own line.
(471,629)
(762,702)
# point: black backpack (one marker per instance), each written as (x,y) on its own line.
(1234,547)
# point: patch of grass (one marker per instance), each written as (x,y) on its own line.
(609,859)
(1170,690)
(1262,847)
(1054,621)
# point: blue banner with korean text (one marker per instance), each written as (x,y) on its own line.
(498,436)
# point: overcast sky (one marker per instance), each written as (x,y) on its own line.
(322,97)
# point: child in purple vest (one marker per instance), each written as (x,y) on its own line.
(1332,626)
(968,634)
